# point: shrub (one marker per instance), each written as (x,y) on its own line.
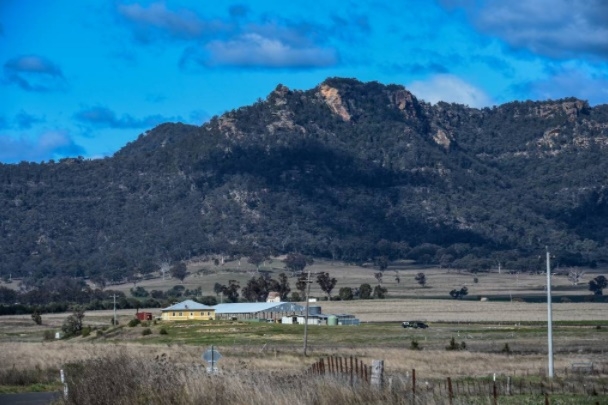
(48,335)
(146,332)
(455,346)
(134,322)
(163,331)
(73,324)
(86,331)
(346,293)
(36,318)
(414,345)
(99,333)
(506,349)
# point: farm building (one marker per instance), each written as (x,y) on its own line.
(188,310)
(144,316)
(258,310)
(321,319)
(273,297)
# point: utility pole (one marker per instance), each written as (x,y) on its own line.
(306,314)
(549,317)
(115,323)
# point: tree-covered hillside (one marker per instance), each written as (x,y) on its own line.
(346,170)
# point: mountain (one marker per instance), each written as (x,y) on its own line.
(347,170)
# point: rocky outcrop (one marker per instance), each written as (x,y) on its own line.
(334,101)
(404,101)
(442,139)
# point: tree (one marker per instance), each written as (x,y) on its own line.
(148,267)
(7,295)
(598,284)
(575,274)
(257,258)
(36,317)
(72,326)
(258,288)
(139,292)
(179,271)
(346,293)
(217,288)
(283,286)
(99,281)
(421,279)
(380,292)
(326,283)
(231,291)
(301,284)
(296,262)
(365,291)
(381,262)
(459,294)
(378,276)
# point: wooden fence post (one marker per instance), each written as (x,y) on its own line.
(414,382)
(377,373)
(495,393)
(450,391)
(352,379)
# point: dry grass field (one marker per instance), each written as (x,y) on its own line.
(440,281)
(487,326)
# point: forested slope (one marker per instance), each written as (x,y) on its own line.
(347,170)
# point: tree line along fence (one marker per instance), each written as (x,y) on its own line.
(573,382)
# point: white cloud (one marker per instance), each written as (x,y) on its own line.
(257,51)
(451,89)
(554,28)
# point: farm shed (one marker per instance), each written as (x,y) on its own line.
(188,310)
(321,319)
(301,320)
(144,316)
(257,310)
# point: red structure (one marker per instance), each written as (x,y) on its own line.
(144,316)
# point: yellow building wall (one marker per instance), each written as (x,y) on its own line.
(187,315)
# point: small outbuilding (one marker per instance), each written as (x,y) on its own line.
(188,310)
(144,316)
(273,297)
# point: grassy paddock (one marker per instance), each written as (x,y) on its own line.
(440,281)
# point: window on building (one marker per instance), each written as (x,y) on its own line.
(180,314)
(174,314)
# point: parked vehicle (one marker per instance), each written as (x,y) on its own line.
(415,324)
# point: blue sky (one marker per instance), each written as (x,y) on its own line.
(83,78)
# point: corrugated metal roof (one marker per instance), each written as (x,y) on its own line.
(186,305)
(253,307)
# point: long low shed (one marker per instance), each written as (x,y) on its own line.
(258,310)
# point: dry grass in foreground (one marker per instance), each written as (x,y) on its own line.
(120,379)
(428,363)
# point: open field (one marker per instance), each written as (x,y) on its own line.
(256,349)
(440,281)
(576,338)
